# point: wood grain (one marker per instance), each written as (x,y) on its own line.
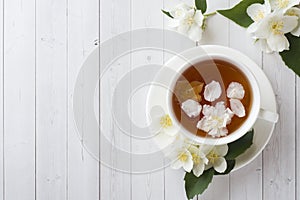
(19,99)
(1,102)
(51,99)
(145,185)
(115,19)
(83,30)
(247,182)
(279,155)
(297,132)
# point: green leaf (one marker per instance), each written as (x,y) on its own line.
(239,146)
(238,13)
(230,166)
(292,57)
(167,13)
(201,5)
(196,185)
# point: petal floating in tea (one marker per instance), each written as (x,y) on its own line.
(215,119)
(212,91)
(204,124)
(185,90)
(235,90)
(237,107)
(197,86)
(208,110)
(191,108)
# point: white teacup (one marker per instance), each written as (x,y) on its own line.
(181,64)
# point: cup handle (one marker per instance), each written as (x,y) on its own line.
(268,115)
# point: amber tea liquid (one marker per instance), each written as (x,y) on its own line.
(207,71)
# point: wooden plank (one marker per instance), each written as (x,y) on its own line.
(218,188)
(145,185)
(250,186)
(216,24)
(115,184)
(51,100)
(297,110)
(247,182)
(279,155)
(1,102)
(83,30)
(19,99)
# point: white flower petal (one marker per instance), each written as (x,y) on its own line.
(205,124)
(180,156)
(198,156)
(206,149)
(263,28)
(198,17)
(193,149)
(207,110)
(268,6)
(163,140)
(156,113)
(190,24)
(295,12)
(188,166)
(253,10)
(198,169)
(208,166)
(278,43)
(235,90)
(177,164)
(172,130)
(212,91)
(283,5)
(220,164)
(157,126)
(221,150)
(262,43)
(289,23)
(258,11)
(225,113)
(203,157)
(218,132)
(215,119)
(228,115)
(190,14)
(195,32)
(223,131)
(253,27)
(220,108)
(191,108)
(237,107)
(214,132)
(296,31)
(272,29)
(180,11)
(183,28)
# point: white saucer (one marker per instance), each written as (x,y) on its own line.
(262,129)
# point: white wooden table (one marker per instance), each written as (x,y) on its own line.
(43,43)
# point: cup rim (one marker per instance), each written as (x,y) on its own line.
(248,123)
